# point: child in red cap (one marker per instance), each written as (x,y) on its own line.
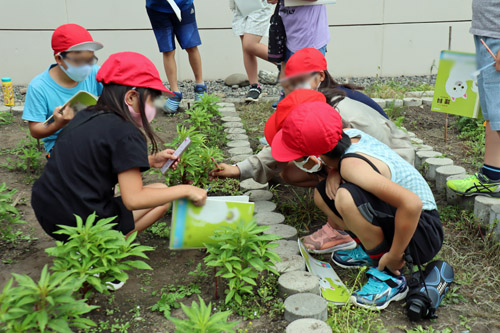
(108,144)
(75,70)
(384,202)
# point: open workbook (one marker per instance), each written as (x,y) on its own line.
(81,100)
(193,226)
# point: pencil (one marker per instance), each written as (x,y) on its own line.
(489,50)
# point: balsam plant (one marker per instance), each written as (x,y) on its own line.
(27,158)
(171,296)
(96,253)
(201,320)
(205,118)
(9,215)
(240,254)
(44,306)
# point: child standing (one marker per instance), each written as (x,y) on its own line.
(107,144)
(384,202)
(167,27)
(251,29)
(75,69)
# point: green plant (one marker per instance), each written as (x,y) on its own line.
(6,118)
(239,254)
(200,319)
(44,306)
(160,229)
(171,295)
(228,186)
(27,157)
(421,329)
(196,162)
(96,253)
(473,135)
(9,215)
(204,116)
(199,272)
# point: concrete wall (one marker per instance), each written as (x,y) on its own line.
(369,37)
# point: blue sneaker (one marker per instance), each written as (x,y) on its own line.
(380,290)
(172,104)
(199,91)
(282,95)
(354,258)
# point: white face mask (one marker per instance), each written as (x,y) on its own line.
(314,169)
(307,84)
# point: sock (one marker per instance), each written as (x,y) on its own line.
(376,253)
(200,84)
(491,172)
(353,236)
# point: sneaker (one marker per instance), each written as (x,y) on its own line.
(282,95)
(254,93)
(199,91)
(380,290)
(263,141)
(114,285)
(328,240)
(353,258)
(478,184)
(172,104)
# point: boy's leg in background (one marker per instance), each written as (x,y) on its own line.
(195,62)
(252,48)
(170,66)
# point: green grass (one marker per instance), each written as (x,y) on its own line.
(394,89)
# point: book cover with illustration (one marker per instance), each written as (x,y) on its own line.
(193,226)
(331,286)
(81,100)
(456,89)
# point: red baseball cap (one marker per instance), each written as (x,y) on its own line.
(296,97)
(311,129)
(131,69)
(73,37)
(303,62)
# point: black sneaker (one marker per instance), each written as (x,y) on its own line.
(254,93)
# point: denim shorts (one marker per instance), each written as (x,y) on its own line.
(167,26)
(290,53)
(488,81)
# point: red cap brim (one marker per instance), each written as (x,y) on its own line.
(281,152)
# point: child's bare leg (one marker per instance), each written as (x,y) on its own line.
(334,221)
(195,62)
(144,218)
(370,236)
(171,69)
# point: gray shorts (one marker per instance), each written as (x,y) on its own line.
(488,81)
(256,23)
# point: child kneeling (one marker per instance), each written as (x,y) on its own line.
(383,201)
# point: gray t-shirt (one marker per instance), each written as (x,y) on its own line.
(486,18)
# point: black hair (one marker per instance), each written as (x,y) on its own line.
(113,100)
(330,88)
(341,147)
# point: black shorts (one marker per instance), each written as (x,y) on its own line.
(49,222)
(427,239)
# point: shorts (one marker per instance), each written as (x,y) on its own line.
(488,81)
(167,26)
(256,23)
(289,53)
(124,221)
(427,239)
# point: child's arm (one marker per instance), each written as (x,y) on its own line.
(39,130)
(408,206)
(135,196)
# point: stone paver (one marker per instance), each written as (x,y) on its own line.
(422,155)
(232,124)
(264,206)
(393,102)
(269,218)
(308,305)
(417,141)
(237,137)
(229,114)
(412,101)
(231,119)
(239,158)
(240,151)
(424,148)
(381,102)
(453,198)
(286,247)
(283,230)
(18,108)
(495,221)
(415,94)
(297,282)
(308,325)
(432,164)
(259,195)
(482,208)
(238,143)
(290,263)
(442,173)
(233,130)
(427,100)
(4,108)
(250,184)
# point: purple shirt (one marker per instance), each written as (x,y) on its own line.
(305,26)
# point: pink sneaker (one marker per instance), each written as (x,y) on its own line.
(328,240)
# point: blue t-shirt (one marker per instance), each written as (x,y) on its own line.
(164,7)
(44,95)
(360,97)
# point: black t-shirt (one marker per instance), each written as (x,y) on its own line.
(83,169)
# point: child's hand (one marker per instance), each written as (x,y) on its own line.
(159,159)
(226,171)
(197,195)
(392,262)
(63,116)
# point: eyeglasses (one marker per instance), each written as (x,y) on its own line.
(79,62)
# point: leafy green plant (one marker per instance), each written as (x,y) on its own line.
(200,319)
(96,253)
(6,118)
(171,295)
(204,116)
(473,135)
(239,254)
(27,158)
(160,229)
(9,215)
(228,186)
(44,306)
